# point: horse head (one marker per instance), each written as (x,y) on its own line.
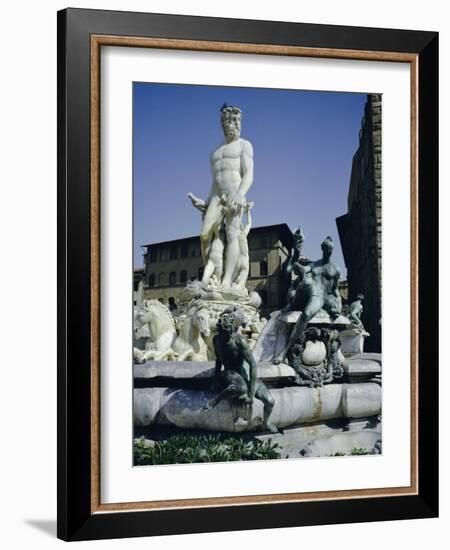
(201,321)
(143,314)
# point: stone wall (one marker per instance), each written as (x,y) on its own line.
(360,229)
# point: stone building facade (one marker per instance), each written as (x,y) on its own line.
(169,265)
(360,229)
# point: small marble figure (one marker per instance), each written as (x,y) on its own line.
(234,354)
(243,265)
(355,310)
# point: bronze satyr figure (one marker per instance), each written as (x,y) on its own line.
(234,354)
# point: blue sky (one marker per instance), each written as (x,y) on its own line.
(303,145)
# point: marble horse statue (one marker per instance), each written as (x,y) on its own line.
(191,343)
(164,342)
(160,325)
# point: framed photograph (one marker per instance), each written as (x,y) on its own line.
(247,252)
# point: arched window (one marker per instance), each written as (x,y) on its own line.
(200,273)
(162,279)
(183,276)
(263,268)
(151,279)
(172,278)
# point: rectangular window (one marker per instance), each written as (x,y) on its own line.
(152,254)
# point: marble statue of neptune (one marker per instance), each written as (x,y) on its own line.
(232,176)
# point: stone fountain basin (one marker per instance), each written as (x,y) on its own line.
(362,367)
(183,370)
(293,405)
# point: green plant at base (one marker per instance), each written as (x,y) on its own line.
(360,451)
(356,451)
(190,449)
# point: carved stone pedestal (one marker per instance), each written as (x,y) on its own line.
(216,301)
(321,341)
(352,341)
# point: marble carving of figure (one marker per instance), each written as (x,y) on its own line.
(232,175)
(243,264)
(316,287)
(355,310)
(233,354)
(214,265)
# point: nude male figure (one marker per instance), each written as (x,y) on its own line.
(232,170)
(230,375)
